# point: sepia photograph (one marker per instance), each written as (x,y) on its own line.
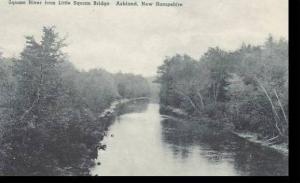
(144,88)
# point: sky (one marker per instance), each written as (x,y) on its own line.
(137,39)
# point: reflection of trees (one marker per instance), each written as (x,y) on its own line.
(180,151)
(137,106)
(174,134)
(256,160)
(248,158)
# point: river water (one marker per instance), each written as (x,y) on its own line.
(145,143)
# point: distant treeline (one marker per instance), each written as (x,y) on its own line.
(245,89)
(49,109)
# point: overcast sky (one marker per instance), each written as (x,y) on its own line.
(136,39)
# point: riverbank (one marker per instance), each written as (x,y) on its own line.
(251,137)
(114,105)
(93,136)
(109,113)
(146,143)
(173,111)
(104,120)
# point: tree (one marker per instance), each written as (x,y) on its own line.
(37,101)
(247,87)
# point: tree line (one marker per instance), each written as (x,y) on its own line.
(245,89)
(49,110)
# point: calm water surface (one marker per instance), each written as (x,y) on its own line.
(143,142)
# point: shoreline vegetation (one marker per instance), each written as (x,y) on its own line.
(253,137)
(52,116)
(178,114)
(115,104)
(244,90)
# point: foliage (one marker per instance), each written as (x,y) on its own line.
(247,87)
(49,111)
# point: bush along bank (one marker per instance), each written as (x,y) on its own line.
(217,127)
(49,111)
(245,90)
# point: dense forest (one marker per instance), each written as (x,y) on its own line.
(244,90)
(51,119)
(49,110)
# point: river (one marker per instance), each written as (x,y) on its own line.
(143,142)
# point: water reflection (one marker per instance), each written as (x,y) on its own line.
(137,106)
(217,147)
(145,143)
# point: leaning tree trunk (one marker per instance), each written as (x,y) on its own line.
(281,107)
(201,99)
(276,116)
(189,99)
